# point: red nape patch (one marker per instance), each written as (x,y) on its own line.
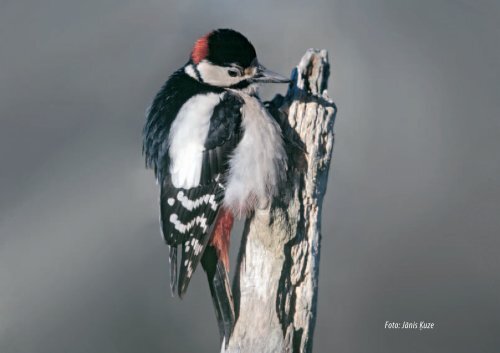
(221,235)
(200,49)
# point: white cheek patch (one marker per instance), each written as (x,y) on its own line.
(187,138)
(189,69)
(217,75)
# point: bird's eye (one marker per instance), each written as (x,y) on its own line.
(232,72)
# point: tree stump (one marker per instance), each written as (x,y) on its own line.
(276,283)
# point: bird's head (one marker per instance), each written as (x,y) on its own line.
(226,58)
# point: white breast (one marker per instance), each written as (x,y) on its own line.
(258,164)
(187,138)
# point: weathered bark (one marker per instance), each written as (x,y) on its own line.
(276,282)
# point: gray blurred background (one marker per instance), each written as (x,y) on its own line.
(411,219)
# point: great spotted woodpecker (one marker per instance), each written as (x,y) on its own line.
(216,153)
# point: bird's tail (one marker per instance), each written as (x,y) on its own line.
(220,289)
(173,268)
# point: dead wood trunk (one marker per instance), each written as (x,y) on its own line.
(276,282)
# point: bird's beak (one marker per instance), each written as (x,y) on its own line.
(264,75)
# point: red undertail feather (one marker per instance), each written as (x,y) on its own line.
(221,235)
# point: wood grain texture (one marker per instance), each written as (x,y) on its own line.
(276,281)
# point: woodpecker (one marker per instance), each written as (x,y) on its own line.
(217,154)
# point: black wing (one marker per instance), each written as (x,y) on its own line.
(188,215)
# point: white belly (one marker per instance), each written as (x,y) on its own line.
(258,164)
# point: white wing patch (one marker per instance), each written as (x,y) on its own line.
(197,247)
(187,138)
(183,228)
(192,204)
